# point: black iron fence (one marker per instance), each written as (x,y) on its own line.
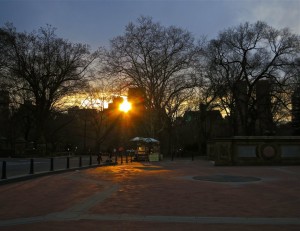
(20,167)
(15,167)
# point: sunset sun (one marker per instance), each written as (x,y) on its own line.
(125,106)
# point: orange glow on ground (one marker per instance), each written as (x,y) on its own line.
(123,173)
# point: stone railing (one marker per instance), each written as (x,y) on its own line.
(255,150)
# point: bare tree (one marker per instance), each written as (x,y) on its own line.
(157,59)
(98,95)
(45,67)
(241,57)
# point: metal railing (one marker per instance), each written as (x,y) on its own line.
(15,167)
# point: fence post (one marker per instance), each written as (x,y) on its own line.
(121,158)
(80,161)
(51,164)
(31,171)
(98,159)
(3,170)
(68,162)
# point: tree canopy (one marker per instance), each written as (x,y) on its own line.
(42,68)
(241,57)
(249,71)
(157,59)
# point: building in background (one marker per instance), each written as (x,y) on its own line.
(137,118)
(195,128)
(264,123)
(240,109)
(253,116)
(296,111)
(4,112)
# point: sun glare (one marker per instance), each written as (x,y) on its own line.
(125,106)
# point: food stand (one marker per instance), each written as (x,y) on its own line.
(146,149)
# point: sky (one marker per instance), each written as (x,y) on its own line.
(95,22)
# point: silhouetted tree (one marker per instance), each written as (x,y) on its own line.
(157,59)
(45,67)
(241,57)
(99,121)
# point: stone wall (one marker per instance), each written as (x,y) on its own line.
(255,150)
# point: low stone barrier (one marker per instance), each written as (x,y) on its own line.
(255,150)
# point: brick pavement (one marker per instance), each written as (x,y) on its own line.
(155,196)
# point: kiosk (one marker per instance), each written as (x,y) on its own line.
(146,149)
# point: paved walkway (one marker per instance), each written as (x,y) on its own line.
(156,196)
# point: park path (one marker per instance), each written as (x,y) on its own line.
(155,196)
